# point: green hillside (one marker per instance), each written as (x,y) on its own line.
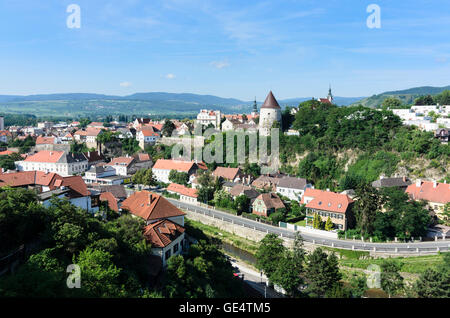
(407,96)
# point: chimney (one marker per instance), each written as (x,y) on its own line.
(404,179)
(434,184)
(328,190)
(418,183)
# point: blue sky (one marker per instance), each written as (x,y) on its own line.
(239,49)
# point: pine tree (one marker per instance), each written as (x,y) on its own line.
(329,225)
(317,221)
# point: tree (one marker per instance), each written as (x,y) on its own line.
(434,282)
(329,225)
(424,100)
(317,221)
(144,177)
(365,208)
(178,177)
(358,285)
(242,204)
(288,274)
(100,277)
(391,280)
(168,128)
(391,102)
(207,186)
(270,252)
(322,272)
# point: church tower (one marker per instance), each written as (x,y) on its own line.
(255,108)
(330,96)
(270,113)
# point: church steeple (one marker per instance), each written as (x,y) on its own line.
(255,107)
(330,96)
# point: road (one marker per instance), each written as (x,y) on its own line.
(255,279)
(398,248)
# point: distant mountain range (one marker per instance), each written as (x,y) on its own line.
(73,104)
(407,96)
(159,103)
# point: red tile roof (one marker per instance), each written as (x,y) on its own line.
(168,164)
(45,140)
(181,189)
(162,233)
(143,157)
(150,206)
(112,201)
(426,191)
(226,173)
(123,161)
(6,153)
(77,184)
(327,200)
(45,156)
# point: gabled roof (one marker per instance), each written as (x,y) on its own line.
(181,189)
(169,164)
(117,190)
(112,201)
(391,182)
(427,191)
(226,173)
(271,200)
(162,233)
(45,156)
(239,189)
(270,102)
(122,161)
(45,140)
(327,200)
(292,183)
(150,206)
(77,184)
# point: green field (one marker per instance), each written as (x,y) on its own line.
(413,265)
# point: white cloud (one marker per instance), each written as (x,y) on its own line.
(220,64)
(170,76)
(126,84)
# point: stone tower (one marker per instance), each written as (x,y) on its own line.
(269,113)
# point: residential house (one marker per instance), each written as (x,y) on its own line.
(89,136)
(188,195)
(103,175)
(147,136)
(61,162)
(207,117)
(229,174)
(242,189)
(267,203)
(166,238)
(94,157)
(162,168)
(122,165)
(328,204)
(436,194)
(152,207)
(49,185)
(399,182)
(267,182)
(292,188)
(5,136)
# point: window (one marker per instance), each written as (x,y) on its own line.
(175,248)
(167,254)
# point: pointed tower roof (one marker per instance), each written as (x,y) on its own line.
(270,102)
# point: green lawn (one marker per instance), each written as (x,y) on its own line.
(301,223)
(414,265)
